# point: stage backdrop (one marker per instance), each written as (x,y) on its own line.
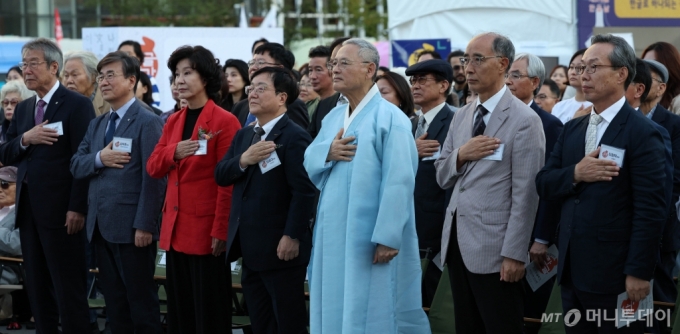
(159,42)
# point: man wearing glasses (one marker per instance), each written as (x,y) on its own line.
(490,158)
(365,270)
(272,55)
(51,204)
(607,170)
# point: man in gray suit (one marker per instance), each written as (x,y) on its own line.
(124,201)
(494,149)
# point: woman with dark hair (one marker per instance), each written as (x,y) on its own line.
(194,228)
(15,73)
(566,109)
(236,78)
(145,92)
(394,88)
(560,76)
(669,56)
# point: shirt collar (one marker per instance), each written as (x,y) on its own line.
(611,112)
(430,115)
(269,126)
(650,114)
(49,94)
(123,110)
(369,95)
(492,102)
(530,103)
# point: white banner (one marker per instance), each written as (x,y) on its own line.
(158,43)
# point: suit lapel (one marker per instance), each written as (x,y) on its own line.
(615,126)
(659,115)
(203,122)
(271,136)
(129,117)
(580,137)
(100,137)
(55,103)
(437,123)
(499,115)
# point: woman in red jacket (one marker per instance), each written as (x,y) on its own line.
(196,210)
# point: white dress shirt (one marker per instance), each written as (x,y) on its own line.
(607,117)
(430,115)
(268,127)
(491,104)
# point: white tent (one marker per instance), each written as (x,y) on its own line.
(544,28)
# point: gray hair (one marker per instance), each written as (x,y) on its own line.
(88,59)
(367,52)
(16,86)
(535,68)
(502,46)
(623,54)
(50,50)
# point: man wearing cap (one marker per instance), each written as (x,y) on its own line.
(9,234)
(430,84)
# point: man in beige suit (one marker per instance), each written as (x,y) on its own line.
(493,151)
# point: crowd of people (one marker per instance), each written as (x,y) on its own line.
(345,174)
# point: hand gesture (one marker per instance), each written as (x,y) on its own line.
(384,254)
(511,270)
(426,148)
(340,148)
(538,254)
(185,148)
(582,111)
(477,148)
(113,159)
(637,288)
(288,248)
(256,153)
(39,135)
(218,246)
(74,222)
(142,238)
(592,169)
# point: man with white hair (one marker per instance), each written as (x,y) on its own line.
(365,270)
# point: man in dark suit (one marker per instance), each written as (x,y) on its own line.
(327,104)
(524,81)
(430,85)
(124,200)
(264,164)
(274,55)
(612,211)
(51,204)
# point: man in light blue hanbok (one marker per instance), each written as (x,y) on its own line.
(365,269)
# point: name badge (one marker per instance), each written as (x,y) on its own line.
(435,156)
(55,126)
(497,154)
(269,163)
(122,144)
(202,147)
(612,153)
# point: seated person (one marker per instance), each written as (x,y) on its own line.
(9,235)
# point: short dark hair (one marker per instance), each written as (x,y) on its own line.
(207,66)
(576,54)
(320,51)
(457,53)
(16,69)
(384,69)
(623,54)
(554,88)
(643,75)
(433,53)
(284,82)
(129,64)
(403,91)
(261,40)
(145,81)
(338,42)
(278,53)
(135,46)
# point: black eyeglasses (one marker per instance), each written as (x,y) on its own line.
(5,185)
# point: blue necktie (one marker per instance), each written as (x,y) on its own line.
(112,128)
(250,119)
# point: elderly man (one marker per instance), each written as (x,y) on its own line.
(124,200)
(51,204)
(79,75)
(524,81)
(613,211)
(430,84)
(365,270)
(492,153)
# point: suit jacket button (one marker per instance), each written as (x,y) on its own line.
(577,201)
(175,208)
(462,189)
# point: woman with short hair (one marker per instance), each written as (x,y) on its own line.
(11,94)
(80,75)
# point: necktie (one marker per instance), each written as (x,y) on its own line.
(250,119)
(259,132)
(591,132)
(480,126)
(421,127)
(112,128)
(40,112)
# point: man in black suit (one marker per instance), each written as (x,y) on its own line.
(51,204)
(274,55)
(613,211)
(264,164)
(327,104)
(524,81)
(430,85)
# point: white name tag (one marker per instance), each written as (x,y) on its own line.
(269,163)
(612,153)
(55,126)
(628,311)
(202,147)
(435,156)
(122,144)
(497,154)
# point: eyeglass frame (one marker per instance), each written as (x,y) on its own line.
(4,185)
(31,64)
(584,68)
(108,77)
(538,97)
(478,60)
(421,79)
(260,64)
(258,89)
(7,102)
(330,66)
(518,76)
